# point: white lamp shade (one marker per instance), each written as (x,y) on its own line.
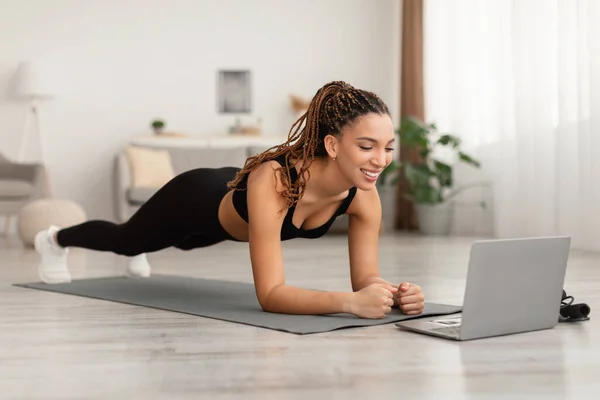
(36,80)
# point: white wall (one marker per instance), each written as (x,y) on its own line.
(129,61)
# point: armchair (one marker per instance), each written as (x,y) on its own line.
(20,183)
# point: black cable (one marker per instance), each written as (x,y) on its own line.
(570,312)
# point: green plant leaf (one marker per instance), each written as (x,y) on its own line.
(413,133)
(418,175)
(446,140)
(157,123)
(468,159)
(443,172)
(427,195)
(414,139)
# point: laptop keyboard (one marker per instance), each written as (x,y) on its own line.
(448,330)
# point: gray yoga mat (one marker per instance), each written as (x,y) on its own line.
(223,300)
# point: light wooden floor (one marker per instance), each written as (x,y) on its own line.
(60,346)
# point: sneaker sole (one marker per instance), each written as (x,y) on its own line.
(58,278)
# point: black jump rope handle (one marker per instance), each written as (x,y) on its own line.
(570,312)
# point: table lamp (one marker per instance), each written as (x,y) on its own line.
(34,82)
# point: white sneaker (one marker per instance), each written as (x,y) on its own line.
(138,266)
(53,267)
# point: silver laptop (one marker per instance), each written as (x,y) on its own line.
(513,286)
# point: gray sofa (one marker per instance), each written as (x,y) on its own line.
(128,199)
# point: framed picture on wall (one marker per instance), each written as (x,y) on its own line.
(234,91)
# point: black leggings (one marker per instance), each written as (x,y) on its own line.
(182,214)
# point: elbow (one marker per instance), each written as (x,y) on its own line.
(266,305)
(266,308)
(268,299)
(263,303)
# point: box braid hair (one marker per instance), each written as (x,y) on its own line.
(334,106)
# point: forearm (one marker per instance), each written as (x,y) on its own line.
(292,300)
(363,283)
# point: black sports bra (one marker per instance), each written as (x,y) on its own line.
(288,229)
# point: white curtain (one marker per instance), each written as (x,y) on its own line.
(519,82)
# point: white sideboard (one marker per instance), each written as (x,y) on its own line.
(209,141)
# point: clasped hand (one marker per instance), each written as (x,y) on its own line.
(410,299)
(377,299)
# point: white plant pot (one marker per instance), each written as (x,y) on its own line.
(387,196)
(434,219)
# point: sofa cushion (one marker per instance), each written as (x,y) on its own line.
(150,168)
(14,188)
(139,195)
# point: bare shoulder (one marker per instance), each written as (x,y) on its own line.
(267,175)
(366,204)
(265,186)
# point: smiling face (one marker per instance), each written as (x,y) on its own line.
(363,149)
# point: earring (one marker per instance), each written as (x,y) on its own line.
(334,158)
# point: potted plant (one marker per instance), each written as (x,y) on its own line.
(158,126)
(430,180)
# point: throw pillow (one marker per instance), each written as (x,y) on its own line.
(149,167)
